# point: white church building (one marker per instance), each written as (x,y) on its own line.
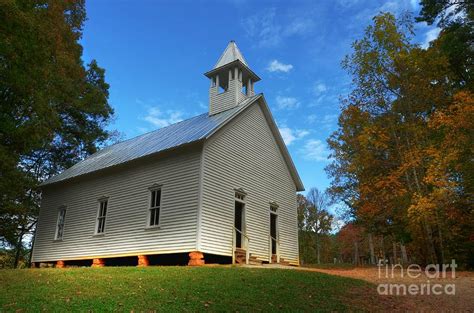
(216,188)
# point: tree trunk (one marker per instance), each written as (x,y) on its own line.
(318,260)
(440,235)
(19,246)
(395,258)
(404,253)
(371,248)
(426,225)
(429,234)
(356,253)
(382,247)
(32,227)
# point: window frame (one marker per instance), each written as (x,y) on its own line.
(156,208)
(274,207)
(63,223)
(240,195)
(99,216)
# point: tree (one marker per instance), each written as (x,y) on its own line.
(350,237)
(400,165)
(54,110)
(314,218)
(456,19)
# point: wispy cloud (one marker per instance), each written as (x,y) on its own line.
(366,10)
(319,88)
(267,31)
(315,150)
(288,103)
(290,135)
(322,94)
(430,35)
(347,3)
(311,118)
(160,119)
(202,105)
(277,66)
(327,121)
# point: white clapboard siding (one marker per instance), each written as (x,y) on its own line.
(244,154)
(222,101)
(128,201)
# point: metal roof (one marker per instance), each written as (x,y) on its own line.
(231,53)
(184,132)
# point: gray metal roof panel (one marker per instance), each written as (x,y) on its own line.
(184,132)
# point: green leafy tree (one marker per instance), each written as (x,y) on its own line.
(456,20)
(53,111)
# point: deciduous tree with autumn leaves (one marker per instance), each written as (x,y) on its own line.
(403,151)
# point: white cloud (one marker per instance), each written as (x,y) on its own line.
(323,95)
(268,32)
(287,103)
(263,28)
(316,150)
(327,121)
(276,66)
(366,11)
(162,119)
(347,3)
(430,35)
(319,88)
(290,135)
(298,26)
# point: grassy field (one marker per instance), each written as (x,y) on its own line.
(174,289)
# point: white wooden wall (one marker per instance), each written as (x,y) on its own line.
(244,154)
(127,189)
(219,102)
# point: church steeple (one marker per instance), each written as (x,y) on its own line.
(231,80)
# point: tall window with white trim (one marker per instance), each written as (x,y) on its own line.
(101,216)
(155,206)
(60,224)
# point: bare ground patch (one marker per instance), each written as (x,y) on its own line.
(462,301)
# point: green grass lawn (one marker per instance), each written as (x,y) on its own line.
(173,289)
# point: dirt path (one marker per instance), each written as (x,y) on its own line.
(461,301)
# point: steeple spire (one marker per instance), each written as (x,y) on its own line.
(231,80)
(230,54)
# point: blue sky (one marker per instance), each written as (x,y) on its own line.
(155,54)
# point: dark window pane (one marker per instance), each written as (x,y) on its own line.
(157,217)
(153,195)
(158,197)
(152,217)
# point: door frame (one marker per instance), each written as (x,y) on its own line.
(274,212)
(243,222)
(240,196)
